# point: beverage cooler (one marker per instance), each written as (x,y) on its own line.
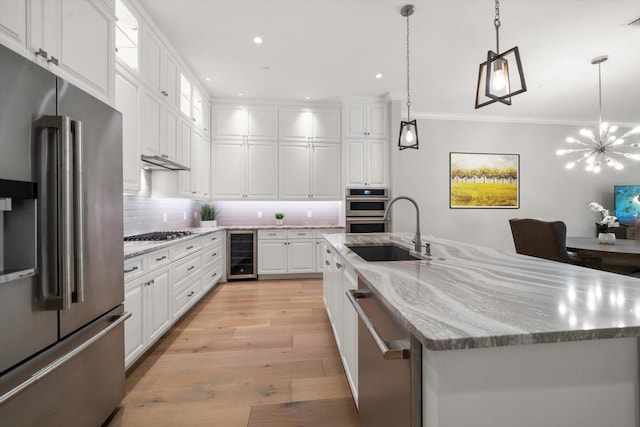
(241,255)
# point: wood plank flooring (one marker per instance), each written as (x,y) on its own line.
(255,353)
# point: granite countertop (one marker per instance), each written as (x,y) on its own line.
(133,249)
(468,296)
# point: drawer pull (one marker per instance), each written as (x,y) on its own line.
(161,258)
(214,275)
(302,234)
(327,262)
(328,251)
(191,268)
(214,254)
(189,247)
(191,294)
(272,234)
(130,270)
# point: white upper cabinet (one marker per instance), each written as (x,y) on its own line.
(238,122)
(310,171)
(171,83)
(13,24)
(127,102)
(366,144)
(151,50)
(76,40)
(245,170)
(152,124)
(309,124)
(367,120)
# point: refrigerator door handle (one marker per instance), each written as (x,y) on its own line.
(76,131)
(62,124)
(39,375)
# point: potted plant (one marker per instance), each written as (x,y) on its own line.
(279,218)
(208,215)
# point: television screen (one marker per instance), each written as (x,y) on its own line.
(627,202)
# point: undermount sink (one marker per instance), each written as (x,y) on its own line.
(374,253)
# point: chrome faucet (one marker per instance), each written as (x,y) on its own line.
(417,239)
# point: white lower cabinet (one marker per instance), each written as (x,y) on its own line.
(162,285)
(337,280)
(289,251)
(148,300)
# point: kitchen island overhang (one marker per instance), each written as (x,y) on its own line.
(477,310)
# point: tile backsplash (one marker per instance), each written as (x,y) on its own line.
(144,214)
(296,212)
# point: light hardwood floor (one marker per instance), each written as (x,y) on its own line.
(255,353)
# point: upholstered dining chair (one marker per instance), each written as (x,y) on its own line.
(542,239)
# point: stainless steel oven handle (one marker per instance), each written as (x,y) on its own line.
(388,353)
(39,375)
(76,130)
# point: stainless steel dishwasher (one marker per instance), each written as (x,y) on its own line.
(389,365)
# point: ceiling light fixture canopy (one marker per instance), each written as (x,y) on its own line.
(408,130)
(604,146)
(495,77)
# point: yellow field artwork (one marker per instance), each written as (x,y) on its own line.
(484,180)
(480,194)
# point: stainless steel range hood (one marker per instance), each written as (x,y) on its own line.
(161,163)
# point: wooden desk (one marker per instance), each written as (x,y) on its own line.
(622,257)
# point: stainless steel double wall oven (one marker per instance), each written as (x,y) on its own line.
(365,210)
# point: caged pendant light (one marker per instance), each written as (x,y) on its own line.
(496,82)
(604,146)
(408,130)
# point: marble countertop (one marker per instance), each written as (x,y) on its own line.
(468,296)
(133,249)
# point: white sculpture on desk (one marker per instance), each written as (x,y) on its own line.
(603,225)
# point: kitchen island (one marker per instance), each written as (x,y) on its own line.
(511,340)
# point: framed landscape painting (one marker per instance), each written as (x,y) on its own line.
(484,180)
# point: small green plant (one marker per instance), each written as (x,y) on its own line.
(279,215)
(208,212)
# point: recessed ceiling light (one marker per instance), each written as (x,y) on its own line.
(239,93)
(257,40)
(307,97)
(207,79)
(378,76)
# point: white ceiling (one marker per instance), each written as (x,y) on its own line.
(326,49)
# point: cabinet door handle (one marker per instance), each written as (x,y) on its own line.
(191,294)
(302,234)
(189,247)
(53,60)
(41,52)
(191,268)
(214,254)
(328,251)
(327,262)
(130,270)
(338,265)
(214,275)
(161,258)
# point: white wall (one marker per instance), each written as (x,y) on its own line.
(547,189)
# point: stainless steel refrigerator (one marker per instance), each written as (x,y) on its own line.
(61,254)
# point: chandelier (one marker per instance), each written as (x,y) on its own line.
(604,146)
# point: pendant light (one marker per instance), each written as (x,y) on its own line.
(408,130)
(604,145)
(495,77)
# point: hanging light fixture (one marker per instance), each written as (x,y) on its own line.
(495,82)
(602,147)
(408,130)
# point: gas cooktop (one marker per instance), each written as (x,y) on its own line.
(158,236)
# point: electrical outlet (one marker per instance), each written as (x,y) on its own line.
(309,214)
(259,214)
(164,217)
